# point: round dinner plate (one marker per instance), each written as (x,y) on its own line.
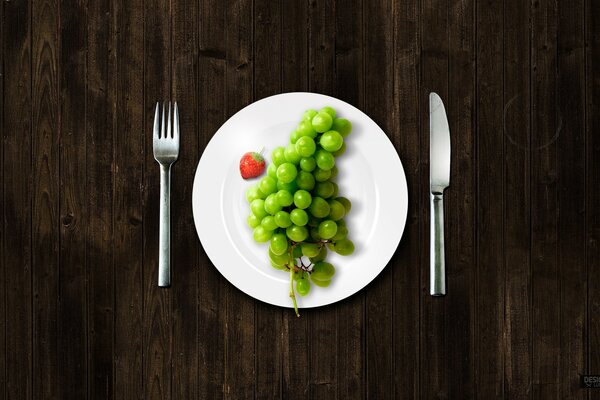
(370,175)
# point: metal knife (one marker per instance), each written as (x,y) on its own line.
(439,179)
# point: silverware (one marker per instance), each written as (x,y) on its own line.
(439,179)
(166,151)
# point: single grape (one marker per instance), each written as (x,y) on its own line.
(272,205)
(322,271)
(342,233)
(314,222)
(286,172)
(321,175)
(272,172)
(269,223)
(305,128)
(334,171)
(297,252)
(291,154)
(336,189)
(347,204)
(279,243)
(282,219)
(325,159)
(294,136)
(278,156)
(309,115)
(281,259)
(329,110)
(308,164)
(340,151)
(322,122)
(314,234)
(336,210)
(327,229)
(289,186)
(258,208)
(284,198)
(344,247)
(261,235)
(254,193)
(342,126)
(299,217)
(277,266)
(305,180)
(321,256)
(324,189)
(253,221)
(296,233)
(302,199)
(320,283)
(305,146)
(319,207)
(310,249)
(331,141)
(268,185)
(303,286)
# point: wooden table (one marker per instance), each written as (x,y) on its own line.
(81,315)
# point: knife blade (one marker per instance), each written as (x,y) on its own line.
(439,179)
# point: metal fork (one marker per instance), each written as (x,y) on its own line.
(166,151)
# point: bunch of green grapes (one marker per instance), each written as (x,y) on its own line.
(297,208)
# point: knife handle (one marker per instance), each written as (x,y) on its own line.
(437,267)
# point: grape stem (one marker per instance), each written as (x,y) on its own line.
(292,271)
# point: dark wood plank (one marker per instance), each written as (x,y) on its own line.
(406,264)
(17,199)
(128,264)
(72,294)
(3,287)
(461,202)
(101,121)
(267,81)
(185,245)
(349,86)
(294,77)
(378,72)
(239,313)
(157,350)
(489,351)
(434,78)
(571,198)
(46,197)
(517,128)
(211,286)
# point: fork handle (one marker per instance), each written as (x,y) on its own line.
(164,230)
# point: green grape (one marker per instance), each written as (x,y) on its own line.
(305,146)
(327,229)
(286,172)
(305,180)
(298,275)
(278,156)
(299,217)
(334,171)
(320,283)
(314,222)
(310,249)
(342,126)
(294,136)
(308,164)
(279,244)
(322,271)
(340,151)
(325,160)
(342,233)
(344,247)
(281,259)
(336,189)
(289,186)
(268,185)
(303,287)
(297,252)
(258,208)
(284,198)
(272,205)
(322,122)
(305,128)
(309,115)
(319,207)
(291,154)
(321,175)
(269,223)
(296,233)
(331,141)
(314,234)
(272,172)
(324,189)
(277,266)
(261,235)
(336,210)
(341,222)
(253,221)
(319,257)
(254,193)
(328,110)
(302,199)
(282,219)
(347,204)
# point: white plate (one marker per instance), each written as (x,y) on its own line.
(370,175)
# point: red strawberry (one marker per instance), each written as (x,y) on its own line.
(252,165)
